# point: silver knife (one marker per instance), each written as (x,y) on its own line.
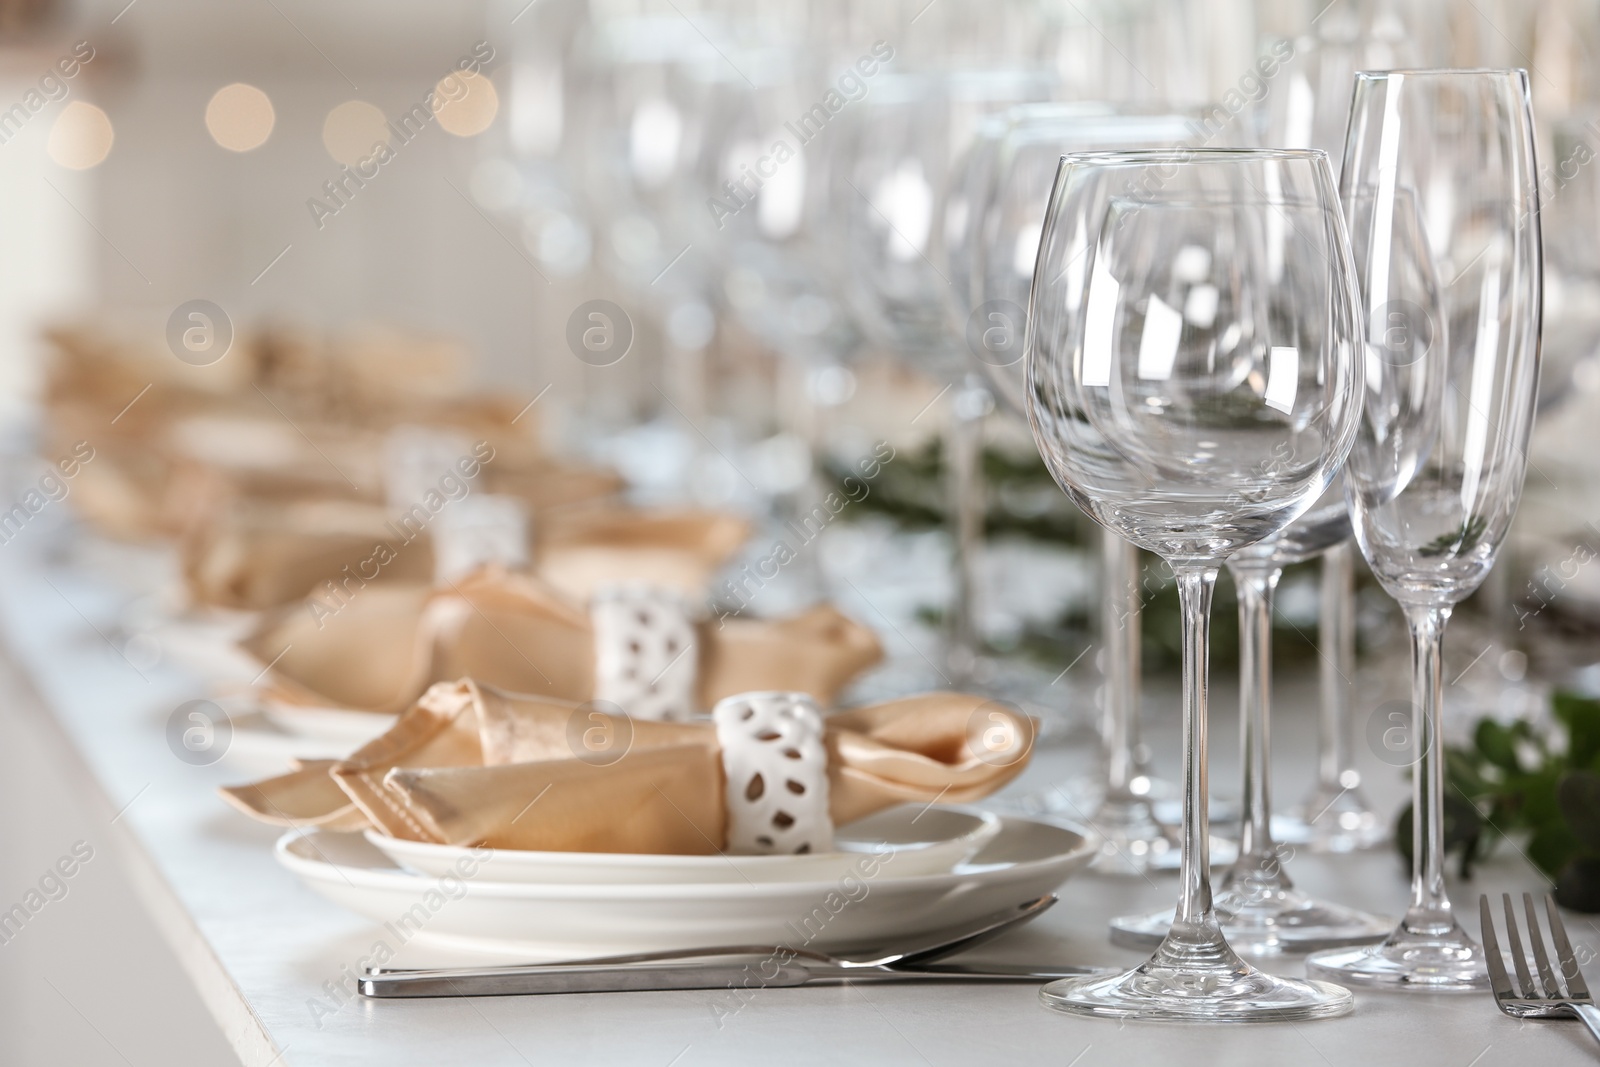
(619,978)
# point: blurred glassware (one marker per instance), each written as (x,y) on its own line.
(892,182)
(1336,815)
(1006,181)
(1309,107)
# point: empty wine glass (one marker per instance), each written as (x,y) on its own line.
(1194,384)
(1437,469)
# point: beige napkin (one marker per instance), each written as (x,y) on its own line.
(261,555)
(390,641)
(469,764)
(279,419)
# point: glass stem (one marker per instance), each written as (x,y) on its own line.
(970,403)
(1119,714)
(1338,663)
(1196,583)
(1257,866)
(800,415)
(1429,914)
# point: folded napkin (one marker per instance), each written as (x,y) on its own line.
(280,419)
(351,373)
(377,646)
(469,764)
(258,555)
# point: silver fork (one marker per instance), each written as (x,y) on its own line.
(1547,999)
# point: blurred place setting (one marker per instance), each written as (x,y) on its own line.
(681,532)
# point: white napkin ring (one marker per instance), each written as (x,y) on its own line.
(645,659)
(416,460)
(777,771)
(477,531)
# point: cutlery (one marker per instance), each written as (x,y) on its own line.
(716,968)
(1545,999)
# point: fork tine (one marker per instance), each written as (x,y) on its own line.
(1518,958)
(1576,986)
(1541,958)
(1499,980)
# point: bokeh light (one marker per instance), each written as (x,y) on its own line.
(469,103)
(353,130)
(81,137)
(240,117)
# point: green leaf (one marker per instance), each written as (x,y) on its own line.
(1581,716)
(1465,768)
(1463,832)
(1533,797)
(1458,541)
(1578,796)
(1497,745)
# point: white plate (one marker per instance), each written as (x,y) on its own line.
(1026,859)
(926,841)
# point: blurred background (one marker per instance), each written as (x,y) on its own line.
(713,247)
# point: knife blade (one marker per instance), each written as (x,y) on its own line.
(557,978)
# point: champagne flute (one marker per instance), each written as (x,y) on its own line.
(1194,384)
(1437,469)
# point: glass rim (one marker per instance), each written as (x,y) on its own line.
(1169,156)
(1442,72)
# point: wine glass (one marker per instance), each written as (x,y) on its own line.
(1261,911)
(1194,383)
(1437,469)
(1008,172)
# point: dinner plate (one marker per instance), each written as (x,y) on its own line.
(926,840)
(864,907)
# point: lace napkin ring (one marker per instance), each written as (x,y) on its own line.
(477,531)
(645,661)
(777,773)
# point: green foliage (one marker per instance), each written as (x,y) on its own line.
(1025,502)
(1514,781)
(1453,544)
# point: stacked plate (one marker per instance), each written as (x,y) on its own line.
(902,872)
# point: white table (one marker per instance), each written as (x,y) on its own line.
(258,946)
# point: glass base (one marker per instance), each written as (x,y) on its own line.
(1341,823)
(1276,923)
(1223,853)
(1195,977)
(1448,963)
(1132,840)
(1088,791)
